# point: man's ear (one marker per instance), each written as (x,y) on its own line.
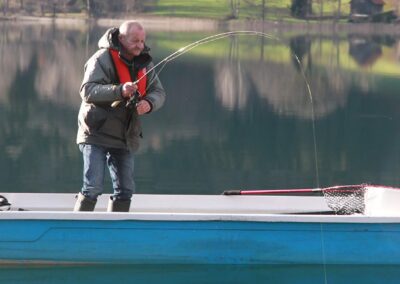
(120,36)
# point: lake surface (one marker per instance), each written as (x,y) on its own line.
(202,274)
(238,115)
(238,112)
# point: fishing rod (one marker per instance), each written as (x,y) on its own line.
(219,36)
(192,45)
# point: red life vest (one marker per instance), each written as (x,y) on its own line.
(124,75)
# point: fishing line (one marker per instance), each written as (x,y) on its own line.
(219,36)
(181,51)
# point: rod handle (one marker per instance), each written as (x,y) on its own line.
(232,192)
(115,104)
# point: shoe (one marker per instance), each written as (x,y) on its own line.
(118,205)
(84,203)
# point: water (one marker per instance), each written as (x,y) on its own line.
(204,274)
(237,115)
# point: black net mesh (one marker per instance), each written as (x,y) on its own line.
(346,200)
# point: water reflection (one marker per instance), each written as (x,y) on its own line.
(281,86)
(364,52)
(39,81)
(231,85)
(237,115)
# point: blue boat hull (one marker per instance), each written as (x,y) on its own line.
(198,242)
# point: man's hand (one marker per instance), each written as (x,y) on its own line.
(143,107)
(128,89)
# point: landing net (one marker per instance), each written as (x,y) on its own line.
(345,200)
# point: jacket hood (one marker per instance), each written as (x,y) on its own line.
(110,40)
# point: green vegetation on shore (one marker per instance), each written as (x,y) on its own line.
(249,9)
(271,10)
(210,9)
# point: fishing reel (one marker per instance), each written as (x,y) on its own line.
(133,101)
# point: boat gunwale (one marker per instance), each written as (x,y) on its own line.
(156,207)
(162,216)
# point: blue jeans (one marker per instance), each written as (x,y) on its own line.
(120,164)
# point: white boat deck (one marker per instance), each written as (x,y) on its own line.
(381,206)
(176,203)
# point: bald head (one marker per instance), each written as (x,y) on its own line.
(128,27)
(132,38)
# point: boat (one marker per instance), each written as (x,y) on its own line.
(200,229)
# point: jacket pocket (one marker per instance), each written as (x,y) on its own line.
(113,127)
(100,121)
(95,118)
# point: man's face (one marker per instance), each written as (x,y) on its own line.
(133,42)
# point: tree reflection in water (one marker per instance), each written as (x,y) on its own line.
(237,118)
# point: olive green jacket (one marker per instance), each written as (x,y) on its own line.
(98,122)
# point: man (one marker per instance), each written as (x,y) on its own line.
(109,135)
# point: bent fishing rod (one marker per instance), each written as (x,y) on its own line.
(189,47)
(136,97)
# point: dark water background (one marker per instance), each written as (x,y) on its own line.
(202,274)
(238,114)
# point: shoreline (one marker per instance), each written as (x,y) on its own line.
(198,24)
